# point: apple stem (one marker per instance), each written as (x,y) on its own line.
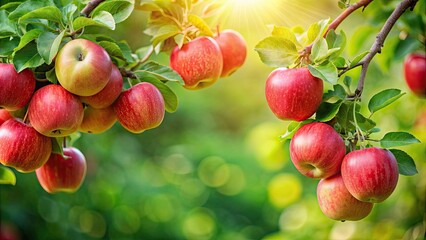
(25,117)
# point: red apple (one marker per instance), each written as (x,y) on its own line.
(22,147)
(337,203)
(83,67)
(4,115)
(16,88)
(63,173)
(54,112)
(370,174)
(293,94)
(234,50)
(199,62)
(140,108)
(415,73)
(97,120)
(109,93)
(317,151)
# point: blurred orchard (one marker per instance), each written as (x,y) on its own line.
(215,169)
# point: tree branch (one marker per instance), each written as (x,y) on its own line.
(380,39)
(90,6)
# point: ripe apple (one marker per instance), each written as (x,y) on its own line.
(16,88)
(109,93)
(370,174)
(22,147)
(97,120)
(4,115)
(140,108)
(415,73)
(234,50)
(293,94)
(317,151)
(337,203)
(63,173)
(199,62)
(83,67)
(54,112)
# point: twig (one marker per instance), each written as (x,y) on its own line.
(90,6)
(380,38)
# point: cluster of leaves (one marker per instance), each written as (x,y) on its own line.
(32,33)
(320,50)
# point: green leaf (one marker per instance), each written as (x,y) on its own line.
(51,76)
(338,92)
(143,52)
(200,24)
(339,62)
(104,19)
(68,13)
(51,13)
(358,58)
(327,111)
(395,139)
(317,30)
(149,7)
(27,57)
(406,165)
(161,72)
(57,145)
(347,81)
(119,9)
(345,116)
(164,33)
(112,48)
(286,33)
(10,5)
(277,51)
(27,7)
(319,49)
(325,71)
(28,37)
(364,123)
(383,99)
(7,28)
(7,46)
(7,176)
(292,127)
(48,45)
(336,41)
(125,50)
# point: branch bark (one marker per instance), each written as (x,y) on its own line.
(90,6)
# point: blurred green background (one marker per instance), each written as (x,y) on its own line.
(215,169)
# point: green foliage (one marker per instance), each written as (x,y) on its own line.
(7,176)
(396,139)
(383,99)
(406,163)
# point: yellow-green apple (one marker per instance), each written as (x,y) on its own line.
(199,62)
(109,93)
(337,203)
(97,120)
(55,112)
(22,147)
(317,150)
(83,67)
(4,115)
(234,50)
(293,94)
(16,88)
(140,108)
(370,174)
(63,173)
(415,73)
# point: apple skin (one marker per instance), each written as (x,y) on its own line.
(83,67)
(140,108)
(234,50)
(97,120)
(293,94)
(22,147)
(16,88)
(4,116)
(317,150)
(199,62)
(370,174)
(55,112)
(415,73)
(63,173)
(336,202)
(107,96)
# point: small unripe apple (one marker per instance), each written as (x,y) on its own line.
(199,62)
(97,120)
(140,108)
(63,173)
(370,174)
(337,203)
(83,67)
(107,96)
(415,73)
(234,50)
(54,112)
(16,88)
(317,150)
(293,94)
(22,147)
(4,115)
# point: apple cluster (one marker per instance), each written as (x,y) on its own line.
(203,60)
(89,98)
